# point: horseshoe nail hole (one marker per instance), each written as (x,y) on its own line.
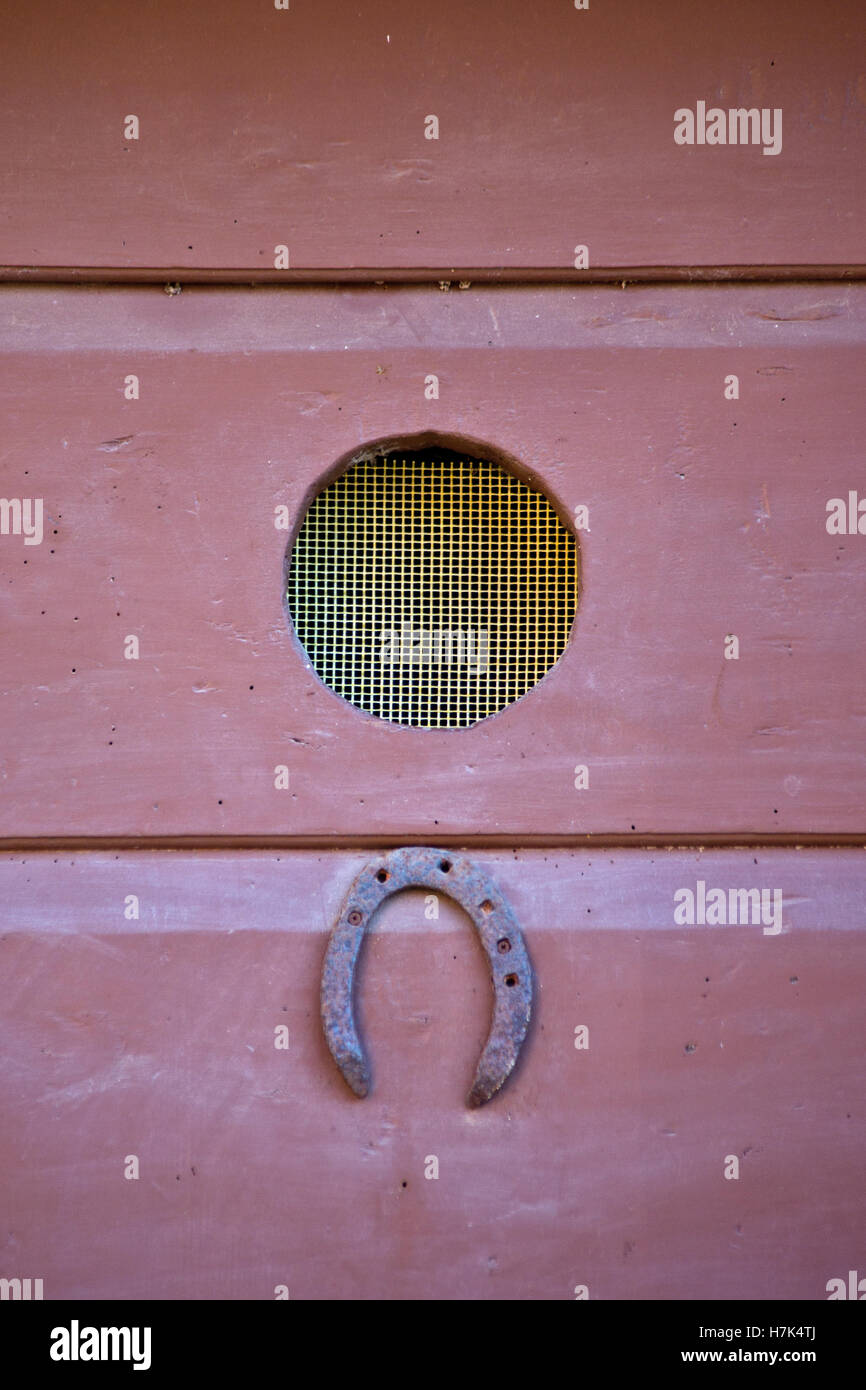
(445,865)
(355,919)
(383,875)
(404,1184)
(511,981)
(503,945)
(487,906)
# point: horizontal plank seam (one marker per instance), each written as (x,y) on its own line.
(715,841)
(91,276)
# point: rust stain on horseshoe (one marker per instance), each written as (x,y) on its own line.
(501,941)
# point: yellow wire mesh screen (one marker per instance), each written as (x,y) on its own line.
(431,589)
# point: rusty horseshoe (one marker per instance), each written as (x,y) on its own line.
(500,939)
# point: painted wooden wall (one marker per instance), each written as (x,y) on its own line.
(306,128)
(600,1165)
(707,518)
(164,907)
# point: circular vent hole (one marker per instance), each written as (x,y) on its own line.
(431,588)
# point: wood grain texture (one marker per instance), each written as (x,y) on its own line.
(305,128)
(707,517)
(601,1166)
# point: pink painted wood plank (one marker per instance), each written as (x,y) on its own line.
(306,128)
(707,517)
(602,1166)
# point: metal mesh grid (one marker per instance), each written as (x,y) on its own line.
(431,589)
